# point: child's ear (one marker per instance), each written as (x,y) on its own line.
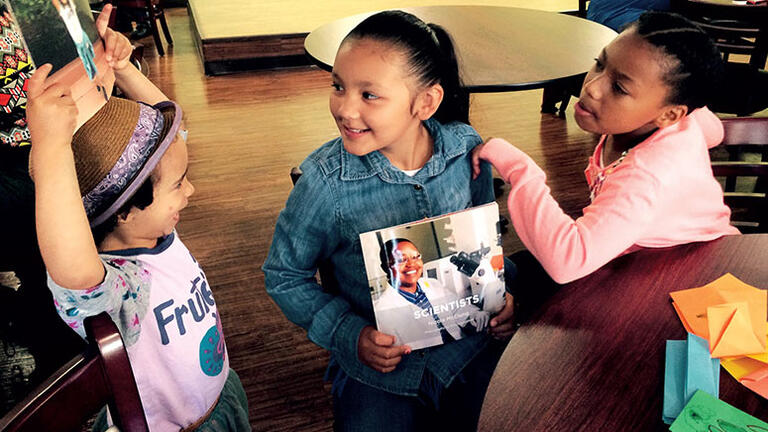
(671,115)
(428,101)
(125,217)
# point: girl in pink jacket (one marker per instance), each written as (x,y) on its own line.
(650,176)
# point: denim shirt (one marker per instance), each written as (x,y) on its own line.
(339,196)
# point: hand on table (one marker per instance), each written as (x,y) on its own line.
(375,349)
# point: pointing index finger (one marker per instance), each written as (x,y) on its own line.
(102,22)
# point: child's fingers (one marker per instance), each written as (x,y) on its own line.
(386,359)
(37,80)
(382,339)
(393,352)
(504,331)
(102,22)
(383,360)
(476,161)
(123,51)
(506,313)
(110,42)
(125,47)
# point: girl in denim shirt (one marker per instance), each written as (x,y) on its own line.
(404,154)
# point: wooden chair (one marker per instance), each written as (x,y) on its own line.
(100,376)
(735,30)
(745,138)
(154,10)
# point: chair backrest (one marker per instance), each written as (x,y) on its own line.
(745,171)
(736,29)
(100,376)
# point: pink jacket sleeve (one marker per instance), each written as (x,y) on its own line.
(569,249)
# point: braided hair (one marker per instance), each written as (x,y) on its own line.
(696,66)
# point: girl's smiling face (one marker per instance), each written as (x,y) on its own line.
(373,100)
(625,91)
(171,192)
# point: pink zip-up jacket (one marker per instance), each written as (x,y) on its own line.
(661,194)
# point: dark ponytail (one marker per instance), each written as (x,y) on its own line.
(429,54)
(455,106)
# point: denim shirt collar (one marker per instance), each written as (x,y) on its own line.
(446,146)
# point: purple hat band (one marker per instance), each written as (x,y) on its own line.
(136,163)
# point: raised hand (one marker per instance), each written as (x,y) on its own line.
(117,47)
(51,111)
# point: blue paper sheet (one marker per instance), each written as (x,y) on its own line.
(688,368)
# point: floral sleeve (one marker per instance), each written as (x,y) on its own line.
(124,295)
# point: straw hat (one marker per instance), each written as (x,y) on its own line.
(116,150)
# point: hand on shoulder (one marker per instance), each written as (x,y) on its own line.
(476,158)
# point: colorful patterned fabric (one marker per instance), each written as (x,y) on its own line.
(15,69)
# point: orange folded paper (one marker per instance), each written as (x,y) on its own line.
(730,331)
(738,311)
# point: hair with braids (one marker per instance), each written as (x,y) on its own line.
(429,54)
(696,67)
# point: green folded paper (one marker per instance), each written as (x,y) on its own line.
(705,413)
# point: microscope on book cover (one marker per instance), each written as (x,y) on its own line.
(485,281)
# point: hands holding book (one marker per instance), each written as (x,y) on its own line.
(51,111)
(375,349)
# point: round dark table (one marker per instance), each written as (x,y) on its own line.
(592,358)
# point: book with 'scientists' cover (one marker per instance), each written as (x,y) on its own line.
(436,280)
(63,33)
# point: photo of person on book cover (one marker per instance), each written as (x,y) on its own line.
(434,314)
(68,13)
(436,281)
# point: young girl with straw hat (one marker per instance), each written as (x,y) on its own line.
(107,203)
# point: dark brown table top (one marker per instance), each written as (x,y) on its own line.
(592,359)
(500,48)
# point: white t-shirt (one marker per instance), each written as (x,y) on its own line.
(161,301)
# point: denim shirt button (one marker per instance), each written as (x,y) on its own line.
(417,187)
